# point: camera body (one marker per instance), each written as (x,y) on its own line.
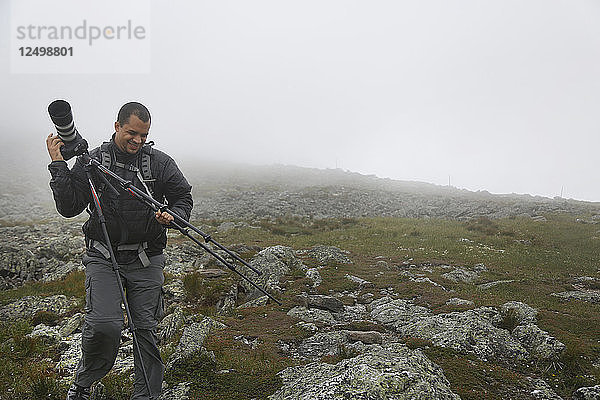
(62,118)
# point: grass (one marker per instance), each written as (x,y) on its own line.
(541,258)
(71,285)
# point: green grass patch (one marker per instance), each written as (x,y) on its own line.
(71,285)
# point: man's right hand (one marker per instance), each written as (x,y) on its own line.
(54,144)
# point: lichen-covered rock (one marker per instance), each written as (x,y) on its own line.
(540,390)
(357,312)
(455,301)
(46,333)
(174,291)
(170,325)
(335,343)
(312,315)
(461,275)
(61,270)
(28,306)
(362,283)
(226,304)
(273,262)
(69,356)
(396,313)
(393,372)
(589,295)
(260,301)
(587,393)
(367,337)
(71,325)
(314,275)
(490,285)
(19,263)
(180,391)
(321,344)
(322,302)
(193,339)
(521,313)
(325,255)
(124,361)
(471,331)
(538,342)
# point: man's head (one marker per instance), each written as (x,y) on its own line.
(132,126)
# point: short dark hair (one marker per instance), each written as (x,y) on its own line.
(133,108)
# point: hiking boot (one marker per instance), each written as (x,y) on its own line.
(78,393)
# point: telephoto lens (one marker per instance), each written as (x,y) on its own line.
(62,118)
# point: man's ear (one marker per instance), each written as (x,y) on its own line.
(117,126)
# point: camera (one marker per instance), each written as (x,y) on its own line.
(62,118)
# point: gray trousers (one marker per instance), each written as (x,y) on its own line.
(101,334)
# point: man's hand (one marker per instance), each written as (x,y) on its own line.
(163,217)
(54,144)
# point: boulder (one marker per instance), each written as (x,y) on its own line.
(273,262)
(321,344)
(473,331)
(390,372)
(314,275)
(396,313)
(28,306)
(170,325)
(461,275)
(589,295)
(47,333)
(180,391)
(538,342)
(587,393)
(71,325)
(312,315)
(260,301)
(192,340)
(519,312)
(323,302)
(455,301)
(539,389)
(367,337)
(362,283)
(70,353)
(489,285)
(325,255)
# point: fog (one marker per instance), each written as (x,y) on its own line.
(500,96)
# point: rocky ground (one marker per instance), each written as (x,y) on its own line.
(357,341)
(375,364)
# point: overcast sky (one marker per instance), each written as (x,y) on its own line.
(501,96)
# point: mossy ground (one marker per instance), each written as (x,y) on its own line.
(540,257)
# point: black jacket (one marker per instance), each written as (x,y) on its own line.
(127,219)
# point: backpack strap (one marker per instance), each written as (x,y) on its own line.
(144,172)
(145,162)
(105,152)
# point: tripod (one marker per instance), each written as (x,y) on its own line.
(179,223)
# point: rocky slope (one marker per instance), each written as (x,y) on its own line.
(251,192)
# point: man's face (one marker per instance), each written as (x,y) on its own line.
(131,136)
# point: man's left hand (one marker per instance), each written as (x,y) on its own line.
(163,217)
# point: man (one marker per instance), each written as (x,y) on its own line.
(138,237)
